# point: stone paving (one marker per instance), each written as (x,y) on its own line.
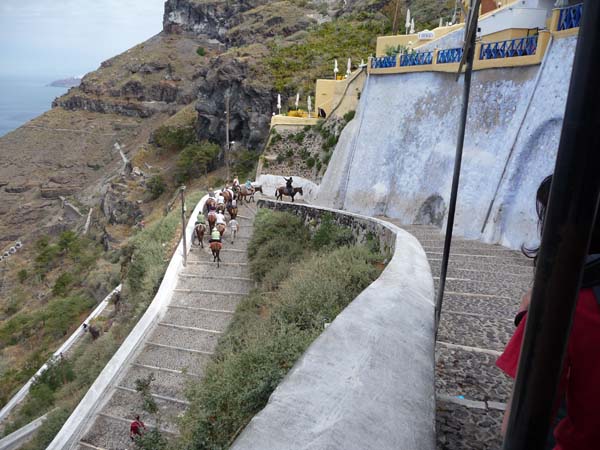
(179,347)
(483,289)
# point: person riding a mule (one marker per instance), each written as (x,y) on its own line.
(288,185)
(215,245)
(236,183)
(215,236)
(248,185)
(200,228)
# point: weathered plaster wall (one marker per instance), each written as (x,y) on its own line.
(396,157)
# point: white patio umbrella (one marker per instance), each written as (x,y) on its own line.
(441,22)
(279,103)
(349,69)
(297,99)
(407,24)
(335,69)
(412,26)
(309,106)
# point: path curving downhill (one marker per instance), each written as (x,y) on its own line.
(483,289)
(180,344)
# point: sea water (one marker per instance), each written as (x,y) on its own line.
(24,97)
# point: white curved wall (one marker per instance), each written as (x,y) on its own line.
(400,147)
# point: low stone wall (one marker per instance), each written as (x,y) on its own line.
(368,381)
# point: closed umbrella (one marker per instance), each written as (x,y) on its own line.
(297,99)
(335,69)
(412,26)
(349,69)
(279,103)
(407,24)
(309,106)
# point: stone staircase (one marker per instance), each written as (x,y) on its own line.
(177,350)
(483,290)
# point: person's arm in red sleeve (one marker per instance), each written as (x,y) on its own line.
(508,362)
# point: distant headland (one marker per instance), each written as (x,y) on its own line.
(66,83)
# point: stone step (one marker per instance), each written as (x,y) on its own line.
(459,243)
(126,405)
(523,280)
(201,341)
(489,265)
(228,255)
(210,269)
(505,290)
(487,306)
(470,373)
(472,331)
(225,284)
(464,428)
(168,358)
(205,319)
(108,433)
(210,300)
(457,258)
(491,250)
(166,384)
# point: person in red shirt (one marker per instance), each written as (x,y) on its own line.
(579,385)
(136,428)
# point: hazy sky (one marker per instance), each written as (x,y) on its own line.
(60,38)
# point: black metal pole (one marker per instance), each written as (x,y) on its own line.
(470,34)
(569,222)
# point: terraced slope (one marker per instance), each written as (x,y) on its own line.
(484,286)
(179,346)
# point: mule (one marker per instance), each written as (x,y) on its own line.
(215,248)
(199,231)
(233,211)
(212,219)
(283,190)
(221,228)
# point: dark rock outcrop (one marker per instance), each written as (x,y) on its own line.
(118,209)
(251,103)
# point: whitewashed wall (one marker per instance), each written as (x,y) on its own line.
(400,147)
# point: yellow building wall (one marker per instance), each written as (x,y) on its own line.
(341,96)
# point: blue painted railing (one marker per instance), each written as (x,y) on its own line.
(509,49)
(570,17)
(450,55)
(416,59)
(383,62)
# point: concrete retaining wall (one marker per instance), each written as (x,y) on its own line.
(93,399)
(396,157)
(368,381)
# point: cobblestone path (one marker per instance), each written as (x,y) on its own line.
(180,344)
(483,289)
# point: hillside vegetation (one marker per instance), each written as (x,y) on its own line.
(305,282)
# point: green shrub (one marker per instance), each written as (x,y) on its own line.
(156,186)
(289,153)
(304,154)
(349,116)
(22,275)
(330,234)
(307,128)
(272,328)
(245,164)
(318,165)
(298,138)
(310,162)
(275,138)
(196,160)
(201,51)
(48,430)
(69,242)
(326,158)
(268,252)
(280,158)
(62,284)
(174,139)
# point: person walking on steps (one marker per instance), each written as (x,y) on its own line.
(136,429)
